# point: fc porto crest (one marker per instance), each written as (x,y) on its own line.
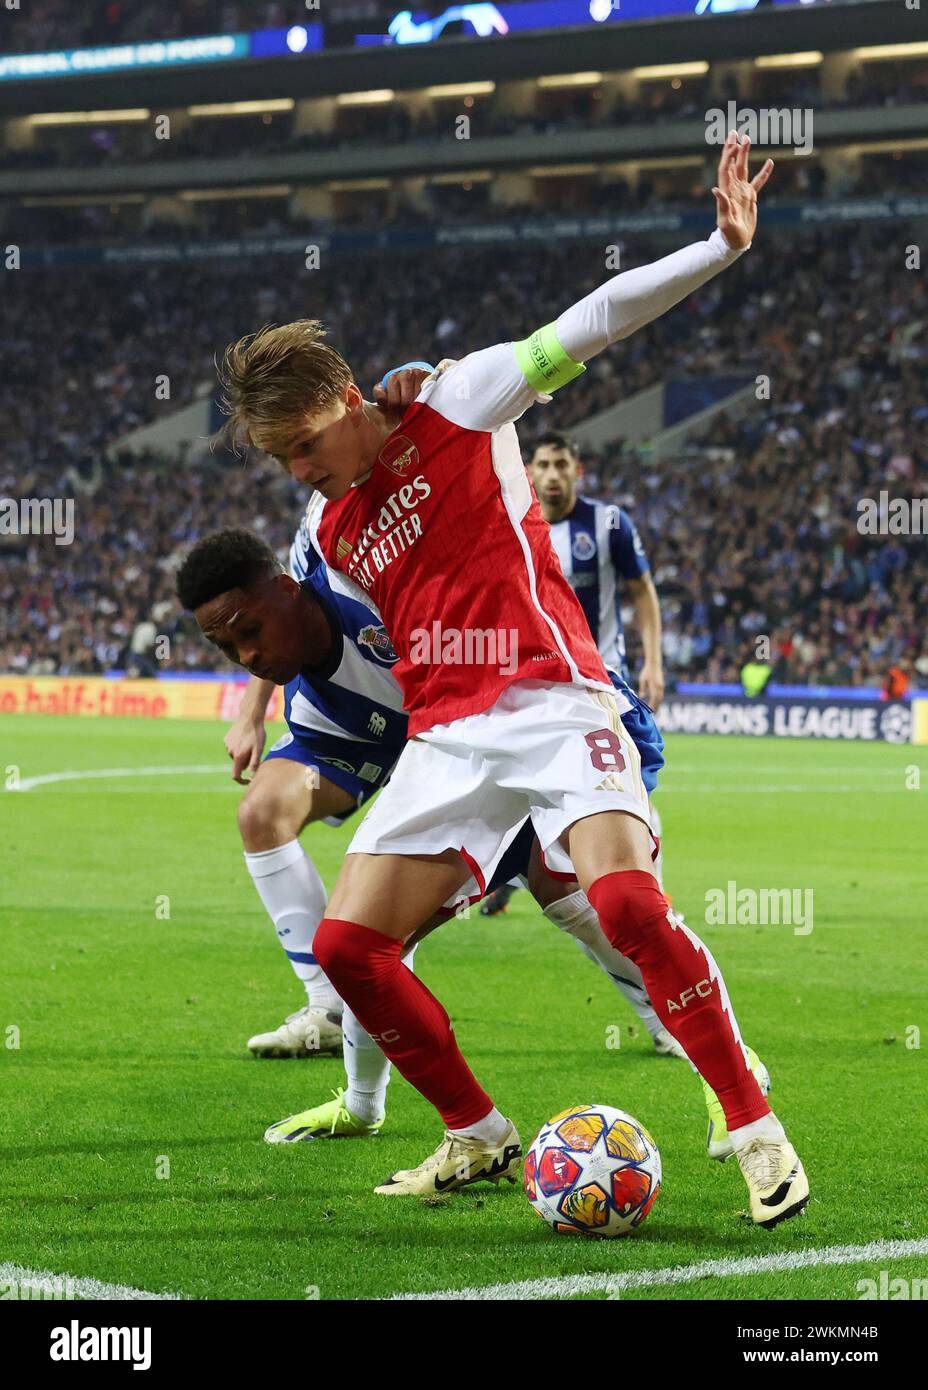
(376,638)
(399,454)
(584,547)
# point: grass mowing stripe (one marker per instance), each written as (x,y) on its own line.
(774,790)
(96,774)
(573,1284)
(40,1281)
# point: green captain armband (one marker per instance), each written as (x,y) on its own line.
(544,363)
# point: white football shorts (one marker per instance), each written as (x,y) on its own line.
(554,752)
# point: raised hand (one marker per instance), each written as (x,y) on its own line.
(736,195)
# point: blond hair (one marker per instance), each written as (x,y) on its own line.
(273,379)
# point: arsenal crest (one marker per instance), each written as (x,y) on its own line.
(399,454)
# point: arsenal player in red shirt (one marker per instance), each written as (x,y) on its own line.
(511,711)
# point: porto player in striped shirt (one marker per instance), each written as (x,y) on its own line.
(511,710)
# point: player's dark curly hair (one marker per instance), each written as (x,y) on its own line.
(554,439)
(232,559)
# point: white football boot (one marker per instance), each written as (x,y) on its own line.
(307,1033)
(776,1180)
(457,1162)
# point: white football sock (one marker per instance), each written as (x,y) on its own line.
(367,1068)
(295,898)
(577,916)
(767,1127)
(491,1130)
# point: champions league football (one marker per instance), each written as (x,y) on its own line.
(593,1170)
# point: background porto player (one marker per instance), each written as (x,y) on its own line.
(601,553)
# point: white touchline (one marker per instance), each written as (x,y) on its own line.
(88,774)
(569,1285)
(564,1287)
(82,1288)
(675,765)
(758,788)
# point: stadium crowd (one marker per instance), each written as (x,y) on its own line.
(835,326)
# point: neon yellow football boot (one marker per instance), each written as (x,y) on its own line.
(331,1120)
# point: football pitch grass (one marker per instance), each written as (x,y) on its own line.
(137,961)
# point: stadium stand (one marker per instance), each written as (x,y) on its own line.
(822,312)
(845,349)
(276,132)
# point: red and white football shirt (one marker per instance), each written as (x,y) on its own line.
(446,536)
(446,528)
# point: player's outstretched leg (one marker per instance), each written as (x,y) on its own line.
(574,914)
(270,816)
(687,990)
(415,1033)
(294,895)
(356,1111)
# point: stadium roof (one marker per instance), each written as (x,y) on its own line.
(271,63)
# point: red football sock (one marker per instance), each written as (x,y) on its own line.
(405,1020)
(684,984)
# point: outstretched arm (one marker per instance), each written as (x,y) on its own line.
(488,389)
(636,297)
